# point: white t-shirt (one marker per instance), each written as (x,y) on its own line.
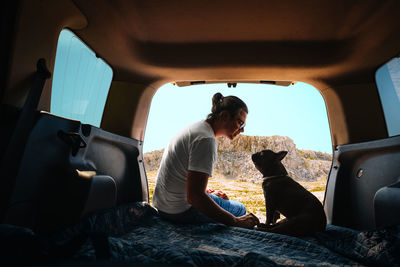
(194,148)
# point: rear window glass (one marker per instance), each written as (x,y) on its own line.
(80,81)
(388,82)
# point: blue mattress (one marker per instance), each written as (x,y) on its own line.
(135,233)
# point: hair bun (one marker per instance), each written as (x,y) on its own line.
(217,98)
(216,102)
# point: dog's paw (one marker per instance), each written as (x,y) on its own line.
(262,227)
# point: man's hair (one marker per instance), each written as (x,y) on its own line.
(231,103)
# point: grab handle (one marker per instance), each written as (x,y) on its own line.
(74,140)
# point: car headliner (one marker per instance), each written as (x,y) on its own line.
(334,45)
(280,40)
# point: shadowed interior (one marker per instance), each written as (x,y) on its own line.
(335,46)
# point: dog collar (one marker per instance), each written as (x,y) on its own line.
(274,176)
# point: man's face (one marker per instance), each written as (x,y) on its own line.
(235,125)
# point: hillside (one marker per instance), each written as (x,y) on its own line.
(234,159)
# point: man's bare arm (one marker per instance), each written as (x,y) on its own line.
(196,196)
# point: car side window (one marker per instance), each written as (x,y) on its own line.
(81,81)
(388,82)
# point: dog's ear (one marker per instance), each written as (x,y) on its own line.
(280,155)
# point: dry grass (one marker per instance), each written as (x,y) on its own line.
(151,180)
(250,194)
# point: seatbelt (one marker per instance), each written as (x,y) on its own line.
(15,149)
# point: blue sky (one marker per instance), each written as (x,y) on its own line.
(297,111)
(388,82)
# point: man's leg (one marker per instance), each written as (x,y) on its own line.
(193,216)
(232,206)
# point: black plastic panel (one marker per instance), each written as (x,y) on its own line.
(49,194)
(358,172)
(45,193)
(118,157)
(8,118)
(387,205)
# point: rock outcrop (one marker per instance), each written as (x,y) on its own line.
(234,158)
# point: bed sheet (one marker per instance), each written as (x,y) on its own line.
(135,233)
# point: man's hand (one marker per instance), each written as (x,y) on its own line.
(218,194)
(196,188)
(247,221)
(222,195)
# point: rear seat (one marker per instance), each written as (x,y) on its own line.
(387,205)
(56,185)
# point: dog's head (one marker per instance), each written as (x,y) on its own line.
(268,162)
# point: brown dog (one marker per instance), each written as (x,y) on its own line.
(303,211)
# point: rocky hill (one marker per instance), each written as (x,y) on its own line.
(234,158)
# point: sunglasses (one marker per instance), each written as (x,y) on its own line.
(242,124)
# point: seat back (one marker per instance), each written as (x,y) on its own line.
(387,205)
(50,191)
(358,172)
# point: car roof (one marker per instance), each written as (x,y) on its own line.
(309,41)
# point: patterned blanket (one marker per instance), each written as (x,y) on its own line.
(135,233)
